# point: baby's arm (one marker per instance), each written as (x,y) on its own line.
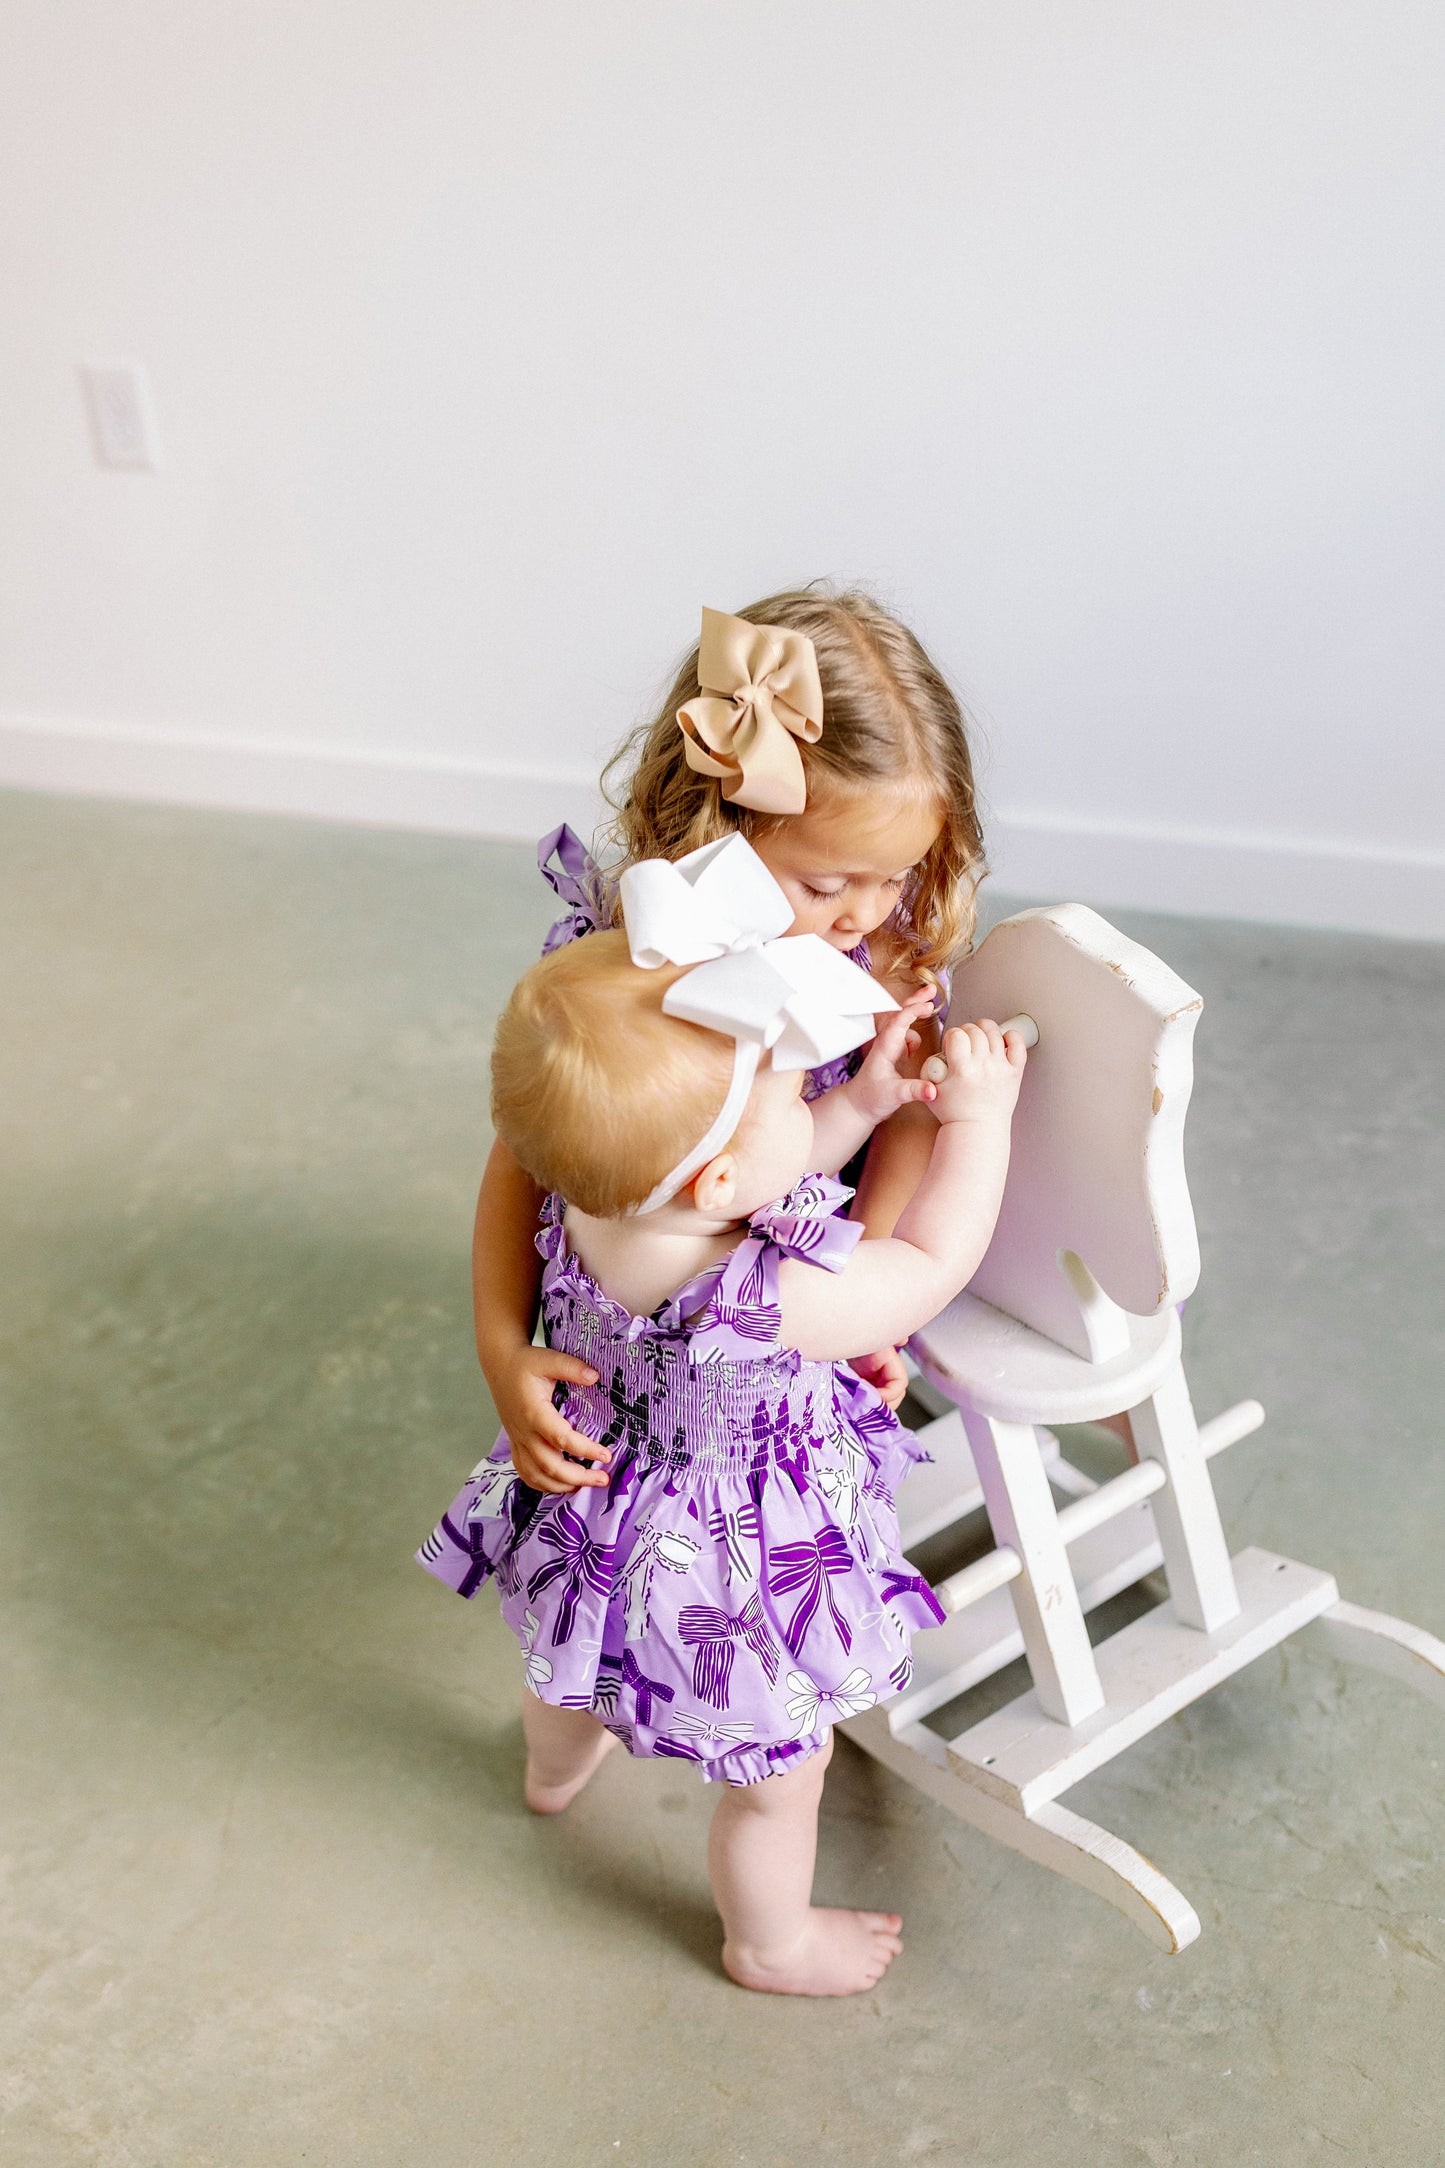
(845,1118)
(891,1287)
(506,1276)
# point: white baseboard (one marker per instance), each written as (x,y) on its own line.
(376,790)
(1200,873)
(1281,880)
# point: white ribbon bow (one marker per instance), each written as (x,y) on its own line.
(809,1699)
(655,1547)
(720,909)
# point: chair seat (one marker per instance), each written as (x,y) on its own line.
(1009,1373)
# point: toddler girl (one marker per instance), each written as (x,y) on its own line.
(817,727)
(728,1579)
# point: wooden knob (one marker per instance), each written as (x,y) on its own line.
(935,1069)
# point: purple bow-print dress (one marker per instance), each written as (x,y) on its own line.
(739,1585)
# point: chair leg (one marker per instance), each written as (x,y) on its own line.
(1022,1515)
(1186,1513)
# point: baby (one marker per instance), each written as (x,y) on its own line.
(725,1581)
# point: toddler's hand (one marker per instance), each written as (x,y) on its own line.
(878,1090)
(539,1435)
(885,1373)
(985,1070)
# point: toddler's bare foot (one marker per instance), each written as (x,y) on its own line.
(840,1953)
(552,1798)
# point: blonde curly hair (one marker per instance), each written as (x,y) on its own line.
(889,719)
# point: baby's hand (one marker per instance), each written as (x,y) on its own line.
(885,1373)
(538,1434)
(985,1069)
(878,1090)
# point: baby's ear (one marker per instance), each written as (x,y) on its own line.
(714,1189)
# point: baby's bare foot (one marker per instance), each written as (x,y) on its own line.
(552,1798)
(840,1953)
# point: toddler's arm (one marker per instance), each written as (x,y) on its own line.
(506,1276)
(894,1165)
(897,1161)
(845,1118)
(891,1287)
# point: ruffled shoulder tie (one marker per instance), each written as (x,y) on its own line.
(742,1317)
(550,1239)
(807,1224)
(579,882)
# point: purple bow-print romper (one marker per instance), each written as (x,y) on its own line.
(739,1585)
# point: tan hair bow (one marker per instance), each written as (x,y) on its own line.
(760,694)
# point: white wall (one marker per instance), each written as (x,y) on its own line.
(489,341)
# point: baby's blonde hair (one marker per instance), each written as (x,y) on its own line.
(889,719)
(594,1091)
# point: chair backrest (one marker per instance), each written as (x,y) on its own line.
(1096,1213)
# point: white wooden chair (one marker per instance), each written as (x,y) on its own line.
(1071,1318)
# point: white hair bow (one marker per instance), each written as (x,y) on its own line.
(720,909)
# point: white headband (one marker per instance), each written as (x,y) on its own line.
(720,909)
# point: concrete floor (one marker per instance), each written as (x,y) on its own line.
(269,1892)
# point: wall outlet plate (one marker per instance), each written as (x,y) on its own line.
(122,415)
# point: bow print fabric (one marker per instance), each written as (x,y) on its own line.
(535,1670)
(742,1315)
(736,1529)
(760,695)
(581,1562)
(654,1548)
(705,1731)
(726,1597)
(811,1701)
(714,1634)
(812,1566)
(616,1673)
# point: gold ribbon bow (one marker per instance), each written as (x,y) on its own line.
(760,694)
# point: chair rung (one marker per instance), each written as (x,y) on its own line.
(1129,1489)
(980,1579)
(1083,1514)
(1227,1429)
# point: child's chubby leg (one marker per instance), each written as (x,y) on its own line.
(564,1748)
(760,1853)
